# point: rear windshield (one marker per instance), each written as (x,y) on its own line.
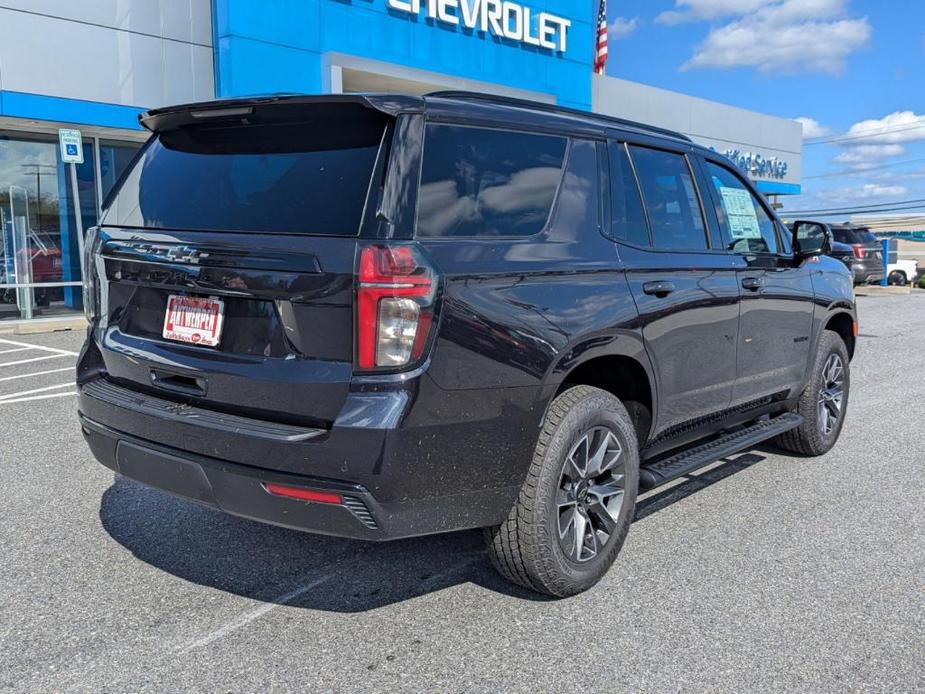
(853,236)
(311,176)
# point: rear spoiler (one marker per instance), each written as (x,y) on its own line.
(259,108)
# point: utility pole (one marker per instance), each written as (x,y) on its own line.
(38,173)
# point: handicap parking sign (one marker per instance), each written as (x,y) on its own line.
(72,151)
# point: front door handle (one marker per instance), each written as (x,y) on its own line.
(752,283)
(658,288)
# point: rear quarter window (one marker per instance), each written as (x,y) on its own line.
(477,182)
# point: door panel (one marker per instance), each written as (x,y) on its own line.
(691,332)
(777,297)
(775,328)
(687,296)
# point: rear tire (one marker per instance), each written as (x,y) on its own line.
(824,403)
(575,508)
(897,279)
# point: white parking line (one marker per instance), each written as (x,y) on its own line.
(36,373)
(38,397)
(33,359)
(15,349)
(246,618)
(41,347)
(10,396)
(256,613)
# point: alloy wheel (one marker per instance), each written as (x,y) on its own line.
(590,494)
(831,395)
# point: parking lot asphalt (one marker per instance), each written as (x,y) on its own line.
(765,573)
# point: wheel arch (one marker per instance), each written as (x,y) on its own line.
(843,323)
(625,372)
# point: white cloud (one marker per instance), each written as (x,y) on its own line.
(861,155)
(852,194)
(874,190)
(902,126)
(694,10)
(622,27)
(774,35)
(899,176)
(812,128)
(867,143)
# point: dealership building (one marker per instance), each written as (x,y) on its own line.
(94,66)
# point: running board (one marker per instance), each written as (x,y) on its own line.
(680,464)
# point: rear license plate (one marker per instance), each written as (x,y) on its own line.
(194,320)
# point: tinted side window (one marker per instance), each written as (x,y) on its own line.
(578,206)
(671,200)
(746,225)
(628,217)
(479,182)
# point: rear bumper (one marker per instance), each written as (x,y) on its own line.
(866,273)
(235,489)
(400,473)
(240,490)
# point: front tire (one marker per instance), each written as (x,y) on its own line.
(897,279)
(824,402)
(575,508)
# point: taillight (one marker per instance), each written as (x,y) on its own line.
(395,304)
(859,251)
(90,279)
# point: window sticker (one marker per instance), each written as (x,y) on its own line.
(740,210)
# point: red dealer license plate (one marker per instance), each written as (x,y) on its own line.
(194,320)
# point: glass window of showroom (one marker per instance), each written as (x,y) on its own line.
(39,257)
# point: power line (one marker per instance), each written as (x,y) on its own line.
(809,214)
(889,220)
(863,210)
(878,204)
(873,207)
(861,172)
(867,136)
(846,213)
(896,226)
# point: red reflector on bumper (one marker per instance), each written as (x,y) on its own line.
(303,494)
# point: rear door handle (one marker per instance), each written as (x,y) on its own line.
(658,288)
(752,283)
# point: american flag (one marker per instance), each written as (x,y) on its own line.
(600,52)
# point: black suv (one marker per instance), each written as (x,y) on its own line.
(860,250)
(387,316)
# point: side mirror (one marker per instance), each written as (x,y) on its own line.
(811,239)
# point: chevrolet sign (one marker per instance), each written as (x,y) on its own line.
(509,20)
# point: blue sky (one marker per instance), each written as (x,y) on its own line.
(855,67)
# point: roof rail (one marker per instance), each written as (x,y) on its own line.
(553,108)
